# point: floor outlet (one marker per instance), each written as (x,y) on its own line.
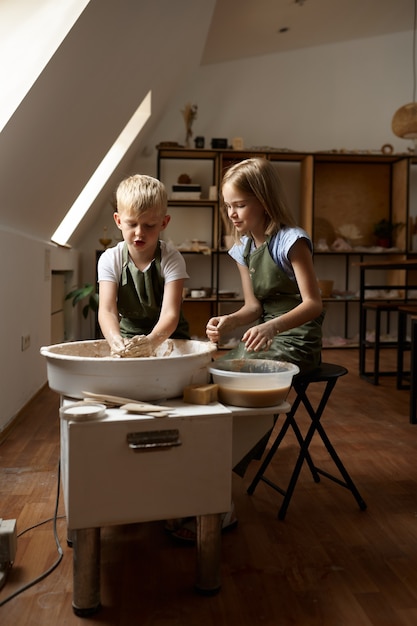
(25,342)
(8,540)
(8,545)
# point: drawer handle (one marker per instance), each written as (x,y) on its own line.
(153,439)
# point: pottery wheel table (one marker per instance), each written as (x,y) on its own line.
(127,468)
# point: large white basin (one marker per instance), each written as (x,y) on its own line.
(79,366)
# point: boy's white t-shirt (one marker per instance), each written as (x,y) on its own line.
(110,263)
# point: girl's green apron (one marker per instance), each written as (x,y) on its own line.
(140,298)
(302,345)
(279,294)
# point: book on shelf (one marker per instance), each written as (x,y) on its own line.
(186,195)
(186,191)
(186,187)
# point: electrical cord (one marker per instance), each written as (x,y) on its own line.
(57,542)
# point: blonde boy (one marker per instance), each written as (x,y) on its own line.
(141,279)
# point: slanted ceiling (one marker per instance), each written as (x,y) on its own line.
(244,28)
(115,53)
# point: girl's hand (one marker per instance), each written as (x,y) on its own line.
(215,326)
(258,338)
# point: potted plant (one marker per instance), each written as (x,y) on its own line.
(384,231)
(89,296)
(81,293)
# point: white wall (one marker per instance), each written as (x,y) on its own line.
(340,96)
(25,285)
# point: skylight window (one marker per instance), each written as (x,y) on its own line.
(30,33)
(84,201)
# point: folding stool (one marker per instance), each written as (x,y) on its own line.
(329,374)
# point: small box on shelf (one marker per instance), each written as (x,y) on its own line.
(186,192)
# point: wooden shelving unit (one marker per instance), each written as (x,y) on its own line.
(325,191)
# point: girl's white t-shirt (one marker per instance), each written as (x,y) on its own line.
(279,247)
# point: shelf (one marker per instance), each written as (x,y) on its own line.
(361,252)
(187,153)
(202,299)
(326,191)
(203,202)
(341,300)
(201,252)
(359,157)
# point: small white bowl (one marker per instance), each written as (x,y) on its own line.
(82,411)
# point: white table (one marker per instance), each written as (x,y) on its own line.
(128,468)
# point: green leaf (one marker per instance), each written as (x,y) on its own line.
(86,309)
(93,302)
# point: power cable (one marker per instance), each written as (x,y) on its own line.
(57,542)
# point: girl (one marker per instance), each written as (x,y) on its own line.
(282,302)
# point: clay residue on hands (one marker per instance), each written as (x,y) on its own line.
(140,346)
(134,347)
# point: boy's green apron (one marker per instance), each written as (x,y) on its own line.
(140,298)
(279,294)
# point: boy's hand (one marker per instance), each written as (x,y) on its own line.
(138,346)
(117,347)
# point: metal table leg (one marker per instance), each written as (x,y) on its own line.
(86,571)
(208,553)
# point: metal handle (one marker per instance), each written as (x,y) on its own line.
(153,439)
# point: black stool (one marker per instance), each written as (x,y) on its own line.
(378,308)
(329,374)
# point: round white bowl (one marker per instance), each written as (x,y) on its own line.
(79,366)
(253,382)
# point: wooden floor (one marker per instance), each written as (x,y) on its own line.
(326,564)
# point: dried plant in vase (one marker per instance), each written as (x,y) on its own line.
(189,114)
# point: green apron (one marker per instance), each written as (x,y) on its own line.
(279,294)
(302,345)
(140,297)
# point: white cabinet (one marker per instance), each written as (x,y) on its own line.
(107,481)
(110,477)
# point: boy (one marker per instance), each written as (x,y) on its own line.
(141,279)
